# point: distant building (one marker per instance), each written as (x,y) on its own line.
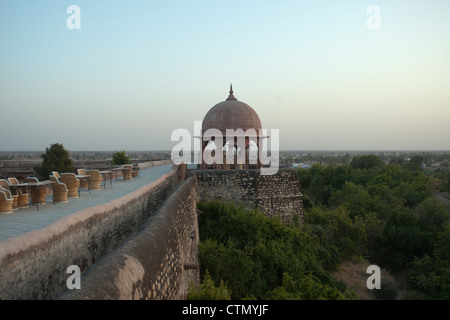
(301,165)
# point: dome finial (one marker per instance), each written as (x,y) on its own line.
(231,96)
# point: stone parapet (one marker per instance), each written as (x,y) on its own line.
(34,265)
(159,262)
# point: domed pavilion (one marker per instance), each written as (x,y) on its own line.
(232,114)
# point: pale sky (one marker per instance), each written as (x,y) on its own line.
(137,70)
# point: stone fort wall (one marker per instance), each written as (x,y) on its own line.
(34,265)
(159,262)
(141,246)
(276,195)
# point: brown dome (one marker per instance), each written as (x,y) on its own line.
(231,114)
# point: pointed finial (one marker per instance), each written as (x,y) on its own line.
(231,96)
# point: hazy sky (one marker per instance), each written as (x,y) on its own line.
(137,70)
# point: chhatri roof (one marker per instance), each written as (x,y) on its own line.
(231,114)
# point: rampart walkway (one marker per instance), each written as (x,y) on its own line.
(25,220)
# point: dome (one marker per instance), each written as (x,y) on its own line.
(231,114)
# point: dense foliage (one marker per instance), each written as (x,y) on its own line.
(251,256)
(55,158)
(386,213)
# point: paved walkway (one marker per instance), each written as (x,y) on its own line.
(25,220)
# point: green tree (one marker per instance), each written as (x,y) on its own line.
(305,289)
(55,158)
(354,198)
(254,255)
(340,230)
(373,227)
(366,162)
(403,239)
(120,157)
(446,182)
(414,163)
(305,177)
(342,174)
(432,214)
(207,290)
(429,276)
(414,191)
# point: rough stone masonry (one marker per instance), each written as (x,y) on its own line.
(275,195)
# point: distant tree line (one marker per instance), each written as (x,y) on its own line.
(86,155)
